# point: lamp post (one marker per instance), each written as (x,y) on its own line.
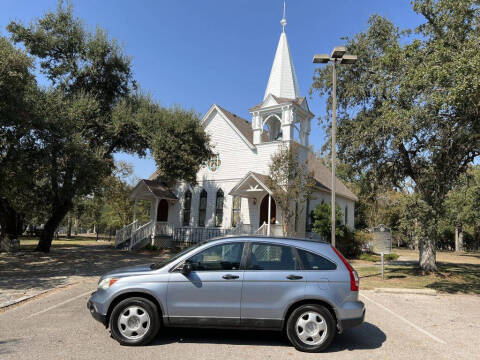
(337,56)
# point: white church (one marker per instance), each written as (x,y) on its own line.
(231,195)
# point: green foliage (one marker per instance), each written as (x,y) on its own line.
(176,138)
(322,221)
(57,143)
(17,116)
(408,109)
(291,183)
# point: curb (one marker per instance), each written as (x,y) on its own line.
(4,306)
(431,292)
(21,299)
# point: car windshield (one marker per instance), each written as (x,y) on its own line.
(161,264)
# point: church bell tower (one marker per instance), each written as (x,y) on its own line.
(284,114)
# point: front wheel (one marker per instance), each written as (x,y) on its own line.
(134,321)
(311,328)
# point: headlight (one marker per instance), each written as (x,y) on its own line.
(106,283)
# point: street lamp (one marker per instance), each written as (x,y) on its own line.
(337,56)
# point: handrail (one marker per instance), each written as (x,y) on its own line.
(125,233)
(262,230)
(142,233)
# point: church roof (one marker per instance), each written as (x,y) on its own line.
(280,100)
(243,125)
(283,79)
(323,175)
(145,188)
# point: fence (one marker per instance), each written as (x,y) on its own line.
(193,235)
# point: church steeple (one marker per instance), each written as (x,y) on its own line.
(283,79)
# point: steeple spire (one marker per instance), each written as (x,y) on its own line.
(283,79)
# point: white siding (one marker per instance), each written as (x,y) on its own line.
(237,159)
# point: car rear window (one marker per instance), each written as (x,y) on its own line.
(312,261)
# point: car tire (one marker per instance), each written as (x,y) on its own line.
(311,328)
(134,321)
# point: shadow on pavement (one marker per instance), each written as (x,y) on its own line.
(365,336)
(28,269)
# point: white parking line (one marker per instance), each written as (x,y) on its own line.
(405,320)
(57,305)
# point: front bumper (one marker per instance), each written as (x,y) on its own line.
(95,313)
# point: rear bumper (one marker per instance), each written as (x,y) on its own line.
(350,323)
(95,314)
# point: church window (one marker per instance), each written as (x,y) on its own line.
(214,163)
(202,208)
(187,204)
(236,208)
(219,208)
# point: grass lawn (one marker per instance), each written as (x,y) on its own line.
(451,277)
(29,243)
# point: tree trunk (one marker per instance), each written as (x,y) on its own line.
(75,227)
(11,224)
(459,238)
(59,212)
(427,254)
(69,227)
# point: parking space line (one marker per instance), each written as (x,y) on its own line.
(404,320)
(57,305)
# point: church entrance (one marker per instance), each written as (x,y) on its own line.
(264,211)
(162,211)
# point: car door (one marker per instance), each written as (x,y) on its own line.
(272,280)
(210,294)
(318,272)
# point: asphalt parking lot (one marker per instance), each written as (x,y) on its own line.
(58,325)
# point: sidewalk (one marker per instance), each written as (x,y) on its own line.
(27,274)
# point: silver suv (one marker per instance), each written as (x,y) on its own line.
(304,288)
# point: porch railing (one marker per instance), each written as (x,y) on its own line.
(125,233)
(193,235)
(163,228)
(262,230)
(142,233)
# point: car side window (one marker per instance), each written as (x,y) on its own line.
(217,258)
(272,257)
(312,261)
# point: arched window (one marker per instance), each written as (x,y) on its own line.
(219,208)
(187,204)
(202,208)
(236,209)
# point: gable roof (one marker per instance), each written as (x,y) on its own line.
(323,175)
(243,126)
(156,188)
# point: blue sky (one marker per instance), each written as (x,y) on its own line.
(196,53)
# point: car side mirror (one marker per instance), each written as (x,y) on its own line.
(186,268)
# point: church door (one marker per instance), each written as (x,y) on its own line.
(162,211)
(264,211)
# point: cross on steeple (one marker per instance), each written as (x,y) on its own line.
(283,22)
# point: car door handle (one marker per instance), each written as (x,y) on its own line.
(294,277)
(230,277)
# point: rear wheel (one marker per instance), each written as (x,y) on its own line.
(134,321)
(311,328)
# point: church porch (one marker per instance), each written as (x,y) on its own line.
(158,227)
(262,211)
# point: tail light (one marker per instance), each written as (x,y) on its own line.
(354,280)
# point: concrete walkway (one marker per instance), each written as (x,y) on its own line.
(27,274)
